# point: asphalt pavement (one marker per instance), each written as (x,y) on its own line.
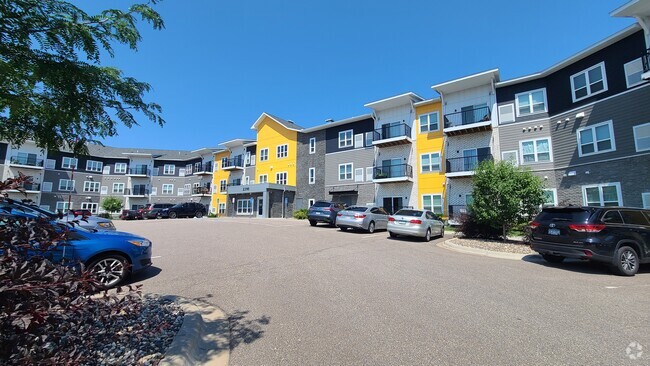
(301,295)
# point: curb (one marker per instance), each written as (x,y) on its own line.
(204,337)
(447,244)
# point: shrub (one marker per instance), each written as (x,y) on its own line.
(112,204)
(104,215)
(300,214)
(212,215)
(473,229)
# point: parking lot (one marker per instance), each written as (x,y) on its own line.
(316,295)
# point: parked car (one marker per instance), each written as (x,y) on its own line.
(324,211)
(150,210)
(81,212)
(363,218)
(418,223)
(129,215)
(185,209)
(88,223)
(617,236)
(109,255)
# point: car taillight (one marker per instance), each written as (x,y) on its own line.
(327,209)
(359,216)
(339,214)
(416,222)
(587,228)
(391,219)
(533,224)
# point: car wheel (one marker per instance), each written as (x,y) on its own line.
(371,227)
(627,261)
(198,214)
(173,215)
(312,222)
(427,236)
(392,234)
(553,258)
(110,270)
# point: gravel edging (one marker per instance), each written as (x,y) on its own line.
(487,248)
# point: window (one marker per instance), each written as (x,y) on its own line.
(169,169)
(244,207)
(247,158)
(430,162)
(507,113)
(369,173)
(633,72)
(50,164)
(310,202)
(281,178)
(167,189)
(312,145)
(511,156)
(91,186)
(550,197)
(154,191)
(369,136)
(224,162)
(645,197)
(94,166)
(223,185)
(606,194)
(264,178)
(531,102)
(264,154)
(187,188)
(358,140)
(642,137)
(312,175)
(188,169)
(180,192)
(63,206)
(118,187)
(432,202)
(46,187)
(596,139)
(120,168)
(358,175)
(589,82)
(281,151)
(345,171)
(66,185)
(429,122)
(69,163)
(222,208)
(535,151)
(90,206)
(345,139)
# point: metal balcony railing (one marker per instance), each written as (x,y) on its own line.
(466,163)
(646,60)
(140,170)
(467,117)
(203,167)
(201,190)
(136,191)
(31,186)
(26,160)
(393,171)
(237,161)
(392,131)
(234,184)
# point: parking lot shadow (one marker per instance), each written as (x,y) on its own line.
(581,266)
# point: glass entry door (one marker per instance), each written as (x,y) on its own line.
(260,207)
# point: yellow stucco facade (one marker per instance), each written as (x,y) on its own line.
(430,143)
(272,136)
(217,176)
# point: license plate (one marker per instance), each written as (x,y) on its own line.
(553,231)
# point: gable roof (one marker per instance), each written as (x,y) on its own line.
(466,82)
(394,101)
(289,125)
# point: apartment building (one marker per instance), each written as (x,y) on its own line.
(27,159)
(429,146)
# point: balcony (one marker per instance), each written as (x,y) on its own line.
(465,166)
(392,135)
(29,188)
(136,192)
(468,121)
(646,65)
(393,173)
(203,168)
(236,163)
(29,161)
(201,191)
(456,213)
(140,171)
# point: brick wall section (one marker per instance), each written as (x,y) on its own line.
(306,191)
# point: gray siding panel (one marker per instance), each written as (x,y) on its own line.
(510,137)
(360,158)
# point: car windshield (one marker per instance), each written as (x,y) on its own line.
(357,209)
(178,205)
(412,213)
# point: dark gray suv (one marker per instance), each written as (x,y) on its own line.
(618,236)
(324,211)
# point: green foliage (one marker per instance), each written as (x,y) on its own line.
(112,204)
(53,88)
(505,195)
(300,214)
(211,215)
(473,229)
(104,215)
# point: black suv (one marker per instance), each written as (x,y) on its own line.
(324,211)
(618,236)
(186,209)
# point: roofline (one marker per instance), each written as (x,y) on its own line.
(615,12)
(337,123)
(264,114)
(244,141)
(409,94)
(576,57)
(428,101)
(491,71)
(203,149)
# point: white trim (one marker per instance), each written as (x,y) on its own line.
(351,144)
(119,184)
(535,152)
(69,165)
(312,175)
(101,166)
(92,184)
(164,191)
(429,130)
(600,191)
(588,82)
(121,171)
(530,100)
(248,210)
(356,174)
(66,185)
(286,151)
(351,171)
(430,164)
(442,203)
(170,171)
(636,145)
(639,61)
(286,178)
(512,112)
(311,202)
(312,145)
(595,142)
(262,155)
(511,151)
(554,190)
(370,176)
(350,151)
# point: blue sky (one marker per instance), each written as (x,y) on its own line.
(219,64)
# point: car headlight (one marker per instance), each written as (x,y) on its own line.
(105,225)
(141,243)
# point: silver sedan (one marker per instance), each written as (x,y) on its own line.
(418,223)
(363,218)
